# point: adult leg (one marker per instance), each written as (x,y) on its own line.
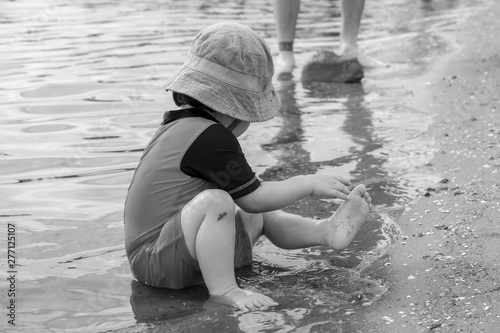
(352,11)
(208,225)
(286,13)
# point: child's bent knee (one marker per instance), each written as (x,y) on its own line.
(206,202)
(217,199)
(216,195)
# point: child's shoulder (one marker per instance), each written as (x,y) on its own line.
(192,115)
(187,123)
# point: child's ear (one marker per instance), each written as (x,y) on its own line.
(177,99)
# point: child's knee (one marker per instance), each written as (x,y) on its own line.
(209,202)
(216,199)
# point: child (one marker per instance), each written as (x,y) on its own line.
(195,208)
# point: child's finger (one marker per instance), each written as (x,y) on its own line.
(344,189)
(343,180)
(340,195)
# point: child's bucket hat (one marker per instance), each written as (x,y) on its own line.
(229,68)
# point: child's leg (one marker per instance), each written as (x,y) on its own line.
(291,231)
(208,225)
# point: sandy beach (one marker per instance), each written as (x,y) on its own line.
(443,272)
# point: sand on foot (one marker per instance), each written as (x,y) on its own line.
(344,224)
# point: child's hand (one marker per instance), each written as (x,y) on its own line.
(331,186)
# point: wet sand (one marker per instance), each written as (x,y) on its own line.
(443,273)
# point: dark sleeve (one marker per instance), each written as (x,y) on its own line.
(216,156)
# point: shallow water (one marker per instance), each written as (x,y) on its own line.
(81,97)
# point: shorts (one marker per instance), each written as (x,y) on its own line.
(167,263)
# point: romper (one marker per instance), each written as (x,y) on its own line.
(190,153)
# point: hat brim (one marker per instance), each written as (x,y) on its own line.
(233,101)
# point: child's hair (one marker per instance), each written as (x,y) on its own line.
(182,99)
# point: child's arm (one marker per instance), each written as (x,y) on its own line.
(279,194)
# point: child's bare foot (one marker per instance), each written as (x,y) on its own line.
(284,65)
(345,223)
(244,299)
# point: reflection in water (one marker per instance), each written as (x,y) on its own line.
(356,162)
(293,158)
(358,124)
(154,304)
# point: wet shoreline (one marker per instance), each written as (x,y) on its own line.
(442,273)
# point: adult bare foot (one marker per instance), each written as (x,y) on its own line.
(370,62)
(365,60)
(244,299)
(284,65)
(342,226)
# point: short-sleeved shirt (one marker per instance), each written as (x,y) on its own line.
(191,152)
